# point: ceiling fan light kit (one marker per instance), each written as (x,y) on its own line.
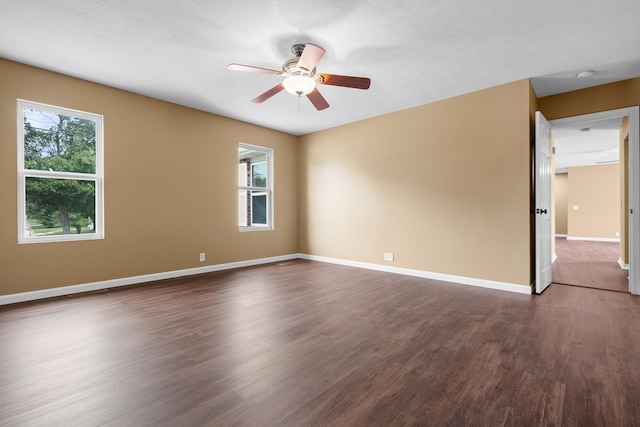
(301,78)
(299,85)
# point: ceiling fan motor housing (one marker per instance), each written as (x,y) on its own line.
(291,68)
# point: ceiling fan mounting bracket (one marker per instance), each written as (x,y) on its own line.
(297,49)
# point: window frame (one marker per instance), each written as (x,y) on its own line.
(97,177)
(268,189)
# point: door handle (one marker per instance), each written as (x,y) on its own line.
(541,211)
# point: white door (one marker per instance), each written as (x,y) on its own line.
(543,202)
(634,199)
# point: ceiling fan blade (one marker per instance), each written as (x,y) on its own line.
(317,100)
(250,68)
(268,94)
(310,57)
(345,81)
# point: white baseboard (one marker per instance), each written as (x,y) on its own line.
(107,284)
(490,284)
(596,239)
(134,280)
(622,264)
(561,235)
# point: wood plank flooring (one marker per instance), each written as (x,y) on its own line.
(302,343)
(590,264)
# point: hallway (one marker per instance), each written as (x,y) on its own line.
(589,264)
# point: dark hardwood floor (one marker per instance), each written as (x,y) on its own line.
(302,343)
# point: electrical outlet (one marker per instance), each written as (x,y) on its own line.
(617,234)
(201,256)
(388,256)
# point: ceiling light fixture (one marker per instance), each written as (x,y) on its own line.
(299,85)
(585,74)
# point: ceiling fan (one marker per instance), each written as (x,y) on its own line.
(301,77)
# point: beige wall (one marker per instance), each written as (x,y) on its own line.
(560,190)
(445,186)
(170,187)
(592,100)
(595,190)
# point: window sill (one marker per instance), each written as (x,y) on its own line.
(51,239)
(255,228)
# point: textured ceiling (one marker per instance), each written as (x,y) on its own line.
(414,51)
(587,143)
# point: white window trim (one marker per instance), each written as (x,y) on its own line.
(269,189)
(23,173)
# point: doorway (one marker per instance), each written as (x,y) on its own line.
(631,197)
(588,184)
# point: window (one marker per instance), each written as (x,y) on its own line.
(255,188)
(60,174)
